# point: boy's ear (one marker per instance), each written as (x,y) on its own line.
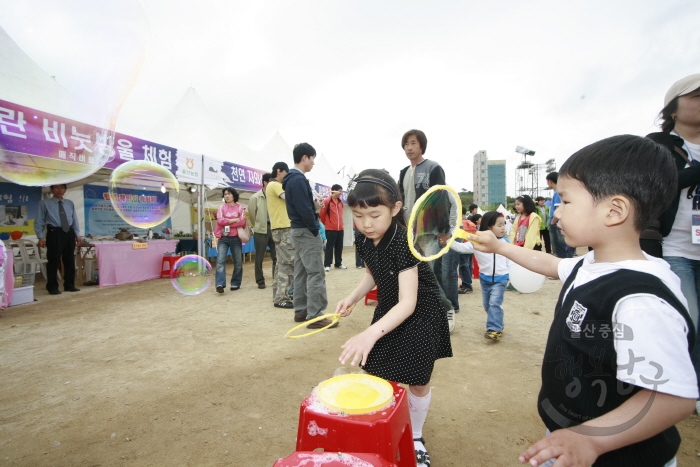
(619,209)
(398,206)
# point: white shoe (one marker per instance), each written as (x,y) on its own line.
(341,267)
(451,319)
(697,407)
(327,269)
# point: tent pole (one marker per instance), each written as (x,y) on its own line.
(201,214)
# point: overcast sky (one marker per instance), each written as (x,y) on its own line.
(350,77)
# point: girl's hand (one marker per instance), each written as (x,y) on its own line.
(357,348)
(345,307)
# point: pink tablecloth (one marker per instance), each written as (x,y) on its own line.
(9,280)
(119,263)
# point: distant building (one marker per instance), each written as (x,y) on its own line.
(489,179)
(497,182)
(481,179)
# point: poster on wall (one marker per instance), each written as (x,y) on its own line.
(18,206)
(101,220)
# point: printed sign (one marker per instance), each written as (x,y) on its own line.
(102,220)
(18,207)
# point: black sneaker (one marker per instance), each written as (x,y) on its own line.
(220,288)
(422,456)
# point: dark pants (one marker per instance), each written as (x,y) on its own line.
(465,269)
(334,242)
(60,246)
(262,241)
(358,260)
(544,234)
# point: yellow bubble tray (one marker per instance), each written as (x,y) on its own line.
(355,393)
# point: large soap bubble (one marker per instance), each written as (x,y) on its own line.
(67,68)
(143,193)
(191,275)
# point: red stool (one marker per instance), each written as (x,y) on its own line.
(386,433)
(371,295)
(475,268)
(331,459)
(167,266)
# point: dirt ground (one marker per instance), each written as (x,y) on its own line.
(139,375)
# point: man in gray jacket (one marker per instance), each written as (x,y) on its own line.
(262,236)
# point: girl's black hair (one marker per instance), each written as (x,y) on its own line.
(528,204)
(368,194)
(475,218)
(232,191)
(489,220)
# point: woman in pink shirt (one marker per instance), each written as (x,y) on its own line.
(229,218)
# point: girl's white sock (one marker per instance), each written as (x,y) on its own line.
(419,411)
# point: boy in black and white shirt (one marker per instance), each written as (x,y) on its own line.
(616,374)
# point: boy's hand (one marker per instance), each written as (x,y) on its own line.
(484,241)
(569,448)
(345,307)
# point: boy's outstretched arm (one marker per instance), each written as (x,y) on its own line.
(583,444)
(537,261)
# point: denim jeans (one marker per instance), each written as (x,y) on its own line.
(449,281)
(465,268)
(688,270)
(492,296)
(559,246)
(222,249)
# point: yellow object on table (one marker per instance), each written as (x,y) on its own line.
(355,393)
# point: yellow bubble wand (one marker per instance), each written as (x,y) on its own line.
(416,222)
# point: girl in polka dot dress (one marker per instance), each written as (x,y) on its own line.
(409,330)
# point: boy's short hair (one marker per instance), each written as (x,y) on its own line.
(266,177)
(553,177)
(420,136)
(279,166)
(301,150)
(473,206)
(539,198)
(627,165)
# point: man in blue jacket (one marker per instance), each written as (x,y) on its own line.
(310,299)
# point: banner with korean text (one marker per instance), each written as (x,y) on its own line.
(18,207)
(27,131)
(219,173)
(102,220)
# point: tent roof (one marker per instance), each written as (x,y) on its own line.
(192,127)
(23,82)
(276,150)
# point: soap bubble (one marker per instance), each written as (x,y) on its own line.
(191,275)
(67,69)
(433,222)
(143,193)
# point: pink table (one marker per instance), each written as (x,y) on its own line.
(119,263)
(9,280)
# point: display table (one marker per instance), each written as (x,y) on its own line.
(119,263)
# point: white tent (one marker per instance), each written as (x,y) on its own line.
(192,127)
(276,150)
(23,82)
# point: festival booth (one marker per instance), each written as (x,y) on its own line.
(36,121)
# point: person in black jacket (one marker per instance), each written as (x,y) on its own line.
(310,297)
(680,134)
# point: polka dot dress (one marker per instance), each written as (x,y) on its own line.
(408,353)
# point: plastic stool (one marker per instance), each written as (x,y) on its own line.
(331,459)
(167,267)
(475,268)
(371,295)
(386,433)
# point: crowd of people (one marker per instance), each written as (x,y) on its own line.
(626,319)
